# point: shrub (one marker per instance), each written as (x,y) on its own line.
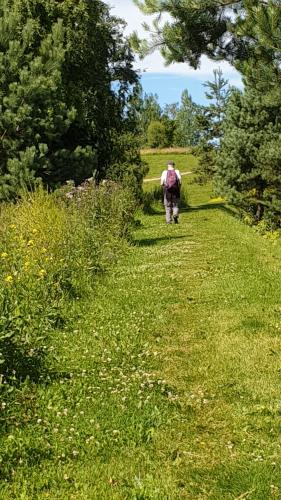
(51,248)
(156,135)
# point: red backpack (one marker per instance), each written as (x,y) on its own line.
(172,182)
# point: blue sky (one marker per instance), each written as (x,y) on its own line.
(169,82)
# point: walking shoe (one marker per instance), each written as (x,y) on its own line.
(176,220)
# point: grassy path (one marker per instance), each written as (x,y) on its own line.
(216,289)
(170,386)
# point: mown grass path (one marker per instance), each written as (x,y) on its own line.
(169,387)
(216,289)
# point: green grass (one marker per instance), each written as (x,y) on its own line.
(168,384)
(157,163)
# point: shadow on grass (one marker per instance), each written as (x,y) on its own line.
(33,457)
(147,242)
(211,206)
(184,208)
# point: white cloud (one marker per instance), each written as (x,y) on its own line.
(154,63)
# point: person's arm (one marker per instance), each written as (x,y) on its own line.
(163,178)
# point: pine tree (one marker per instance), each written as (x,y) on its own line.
(249,169)
(186,131)
(193,29)
(62,117)
(149,110)
(210,124)
(248,172)
(34,116)
(217,93)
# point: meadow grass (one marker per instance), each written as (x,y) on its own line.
(164,151)
(166,383)
(157,163)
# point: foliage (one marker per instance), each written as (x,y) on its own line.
(34,117)
(207,161)
(218,93)
(194,28)
(50,252)
(67,91)
(248,167)
(156,135)
(186,122)
(149,110)
(210,124)
(128,169)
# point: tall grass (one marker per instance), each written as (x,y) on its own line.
(51,249)
(164,151)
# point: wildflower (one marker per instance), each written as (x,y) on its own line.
(4,255)
(30,243)
(34,231)
(42,273)
(44,250)
(9,279)
(13,226)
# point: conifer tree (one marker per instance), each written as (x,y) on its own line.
(66,92)
(186,130)
(210,126)
(34,116)
(193,29)
(248,171)
(217,93)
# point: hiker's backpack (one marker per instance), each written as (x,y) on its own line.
(172,182)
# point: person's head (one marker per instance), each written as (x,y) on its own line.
(171,164)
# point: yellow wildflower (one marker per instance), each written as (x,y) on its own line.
(30,243)
(4,255)
(26,264)
(219,199)
(34,231)
(13,226)
(44,250)
(9,279)
(42,273)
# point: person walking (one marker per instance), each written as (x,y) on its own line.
(171,182)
